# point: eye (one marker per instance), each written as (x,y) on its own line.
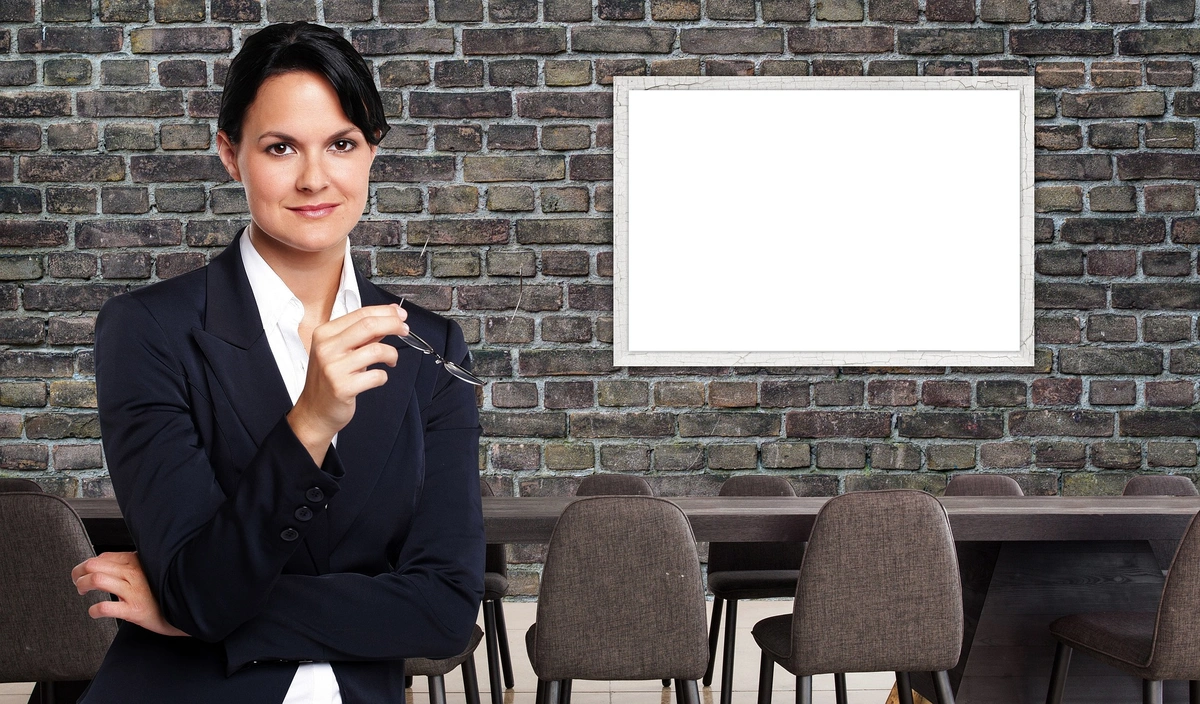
(343,145)
(279,149)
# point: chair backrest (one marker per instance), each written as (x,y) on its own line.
(983,485)
(48,634)
(879,588)
(494,559)
(614,485)
(736,557)
(1160,485)
(621,595)
(1176,651)
(9,484)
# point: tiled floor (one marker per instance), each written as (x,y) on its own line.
(15,692)
(869,688)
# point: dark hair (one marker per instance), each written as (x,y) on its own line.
(302,46)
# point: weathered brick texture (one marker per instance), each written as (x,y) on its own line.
(492,203)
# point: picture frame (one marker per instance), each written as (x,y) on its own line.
(823,221)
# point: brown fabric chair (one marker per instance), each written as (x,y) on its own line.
(747,571)
(1160,485)
(614,485)
(878,590)
(621,598)
(10,484)
(495,588)
(1155,646)
(436,670)
(983,485)
(49,636)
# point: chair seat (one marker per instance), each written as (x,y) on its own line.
(753,584)
(425,667)
(774,635)
(495,586)
(1123,640)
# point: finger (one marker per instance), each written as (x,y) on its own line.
(104,583)
(121,558)
(92,564)
(372,329)
(116,569)
(79,570)
(359,359)
(339,325)
(110,609)
(359,382)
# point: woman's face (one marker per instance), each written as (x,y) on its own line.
(304,165)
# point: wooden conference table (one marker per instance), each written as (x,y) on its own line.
(1024,562)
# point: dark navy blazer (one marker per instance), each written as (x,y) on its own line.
(265,558)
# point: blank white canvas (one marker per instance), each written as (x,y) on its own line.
(823,220)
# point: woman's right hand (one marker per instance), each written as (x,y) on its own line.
(338,357)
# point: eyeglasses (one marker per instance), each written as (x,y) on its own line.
(414,341)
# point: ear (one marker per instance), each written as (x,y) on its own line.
(228,153)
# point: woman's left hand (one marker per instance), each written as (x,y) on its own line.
(120,573)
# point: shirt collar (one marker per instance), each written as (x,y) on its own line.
(273,296)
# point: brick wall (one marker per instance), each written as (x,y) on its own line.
(500,160)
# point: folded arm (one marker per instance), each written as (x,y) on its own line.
(210,559)
(428,604)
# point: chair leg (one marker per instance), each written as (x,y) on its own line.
(540,696)
(666,683)
(1058,676)
(727,657)
(470,681)
(437,690)
(408,681)
(804,689)
(714,634)
(766,677)
(941,687)
(1152,692)
(564,693)
(904,688)
(491,635)
(505,657)
(839,688)
(680,697)
(691,692)
(553,687)
(1194,692)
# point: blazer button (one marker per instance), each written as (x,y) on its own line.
(303,513)
(289,534)
(314,494)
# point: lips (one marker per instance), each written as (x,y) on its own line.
(314,211)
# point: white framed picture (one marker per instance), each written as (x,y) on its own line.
(823,221)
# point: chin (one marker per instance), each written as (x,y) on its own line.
(308,235)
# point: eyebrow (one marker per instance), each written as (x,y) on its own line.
(289,138)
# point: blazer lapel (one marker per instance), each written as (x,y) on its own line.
(236,347)
(242,364)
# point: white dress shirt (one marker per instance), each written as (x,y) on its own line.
(281,312)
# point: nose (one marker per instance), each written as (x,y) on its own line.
(313,175)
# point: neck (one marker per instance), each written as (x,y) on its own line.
(312,276)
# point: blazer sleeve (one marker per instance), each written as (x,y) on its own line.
(210,559)
(427,606)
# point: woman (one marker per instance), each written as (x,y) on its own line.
(302,488)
